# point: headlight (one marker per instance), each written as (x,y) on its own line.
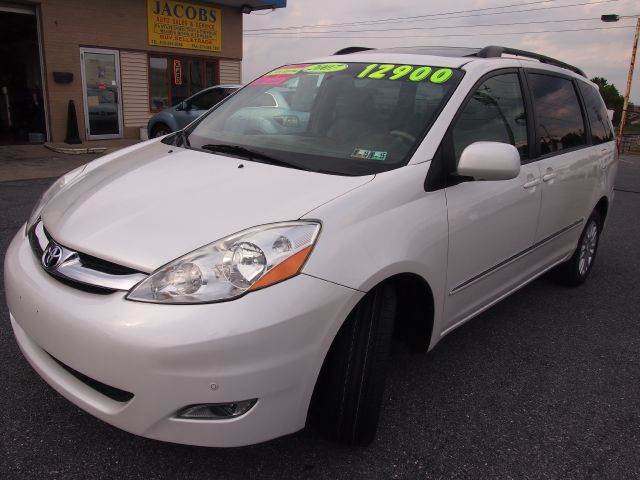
(62,183)
(229,268)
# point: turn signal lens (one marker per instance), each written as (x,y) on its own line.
(287,269)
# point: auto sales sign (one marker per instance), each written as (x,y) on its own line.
(184,25)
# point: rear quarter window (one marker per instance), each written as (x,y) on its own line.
(597,112)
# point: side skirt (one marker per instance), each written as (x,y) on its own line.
(504,295)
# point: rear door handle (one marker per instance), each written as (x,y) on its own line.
(532,183)
(548,176)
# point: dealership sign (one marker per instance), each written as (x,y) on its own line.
(184,25)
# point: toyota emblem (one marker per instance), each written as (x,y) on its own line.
(52,256)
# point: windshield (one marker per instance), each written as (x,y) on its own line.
(341,118)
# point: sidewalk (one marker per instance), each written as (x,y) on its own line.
(24,162)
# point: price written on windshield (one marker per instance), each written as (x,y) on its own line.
(408,72)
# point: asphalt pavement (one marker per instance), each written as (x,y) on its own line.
(546,384)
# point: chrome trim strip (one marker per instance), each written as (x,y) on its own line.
(504,295)
(41,235)
(71,268)
(513,258)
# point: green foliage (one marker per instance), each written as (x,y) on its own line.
(611,96)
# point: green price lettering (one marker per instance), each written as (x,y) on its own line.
(400,72)
(413,73)
(441,75)
(381,72)
(367,70)
(419,74)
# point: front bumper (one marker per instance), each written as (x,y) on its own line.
(267,345)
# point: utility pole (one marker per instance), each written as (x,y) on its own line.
(625,106)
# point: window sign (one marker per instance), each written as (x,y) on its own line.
(177,72)
(184,25)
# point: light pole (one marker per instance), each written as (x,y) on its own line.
(625,105)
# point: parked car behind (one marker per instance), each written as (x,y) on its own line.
(180,115)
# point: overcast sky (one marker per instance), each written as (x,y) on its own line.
(604,53)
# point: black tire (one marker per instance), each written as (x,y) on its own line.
(159,130)
(576,270)
(348,394)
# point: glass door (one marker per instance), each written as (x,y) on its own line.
(102,96)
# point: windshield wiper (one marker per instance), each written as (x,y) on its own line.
(249,154)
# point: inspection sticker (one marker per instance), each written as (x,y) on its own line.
(377,155)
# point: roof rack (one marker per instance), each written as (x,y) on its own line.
(494,51)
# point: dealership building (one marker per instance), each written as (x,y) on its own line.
(119,61)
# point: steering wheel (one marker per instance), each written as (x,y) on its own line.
(402,135)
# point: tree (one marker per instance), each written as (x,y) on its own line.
(611,96)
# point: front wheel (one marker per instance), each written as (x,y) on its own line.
(348,394)
(576,270)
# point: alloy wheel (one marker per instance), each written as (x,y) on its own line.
(588,248)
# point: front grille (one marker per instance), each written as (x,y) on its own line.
(95,263)
(113,393)
(82,271)
(35,243)
(88,261)
(85,287)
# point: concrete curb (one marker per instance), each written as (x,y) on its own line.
(70,150)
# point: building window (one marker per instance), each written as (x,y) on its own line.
(158,83)
(166,90)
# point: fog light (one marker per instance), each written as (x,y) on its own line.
(217,411)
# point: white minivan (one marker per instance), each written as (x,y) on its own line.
(225,284)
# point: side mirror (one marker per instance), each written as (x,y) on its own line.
(489,161)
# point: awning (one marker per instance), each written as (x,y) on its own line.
(254,4)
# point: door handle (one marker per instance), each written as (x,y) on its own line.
(549,176)
(532,183)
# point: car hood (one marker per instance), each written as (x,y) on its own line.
(152,204)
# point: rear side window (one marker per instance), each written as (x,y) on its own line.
(495,113)
(597,113)
(560,125)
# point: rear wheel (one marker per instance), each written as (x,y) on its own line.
(160,130)
(348,394)
(576,270)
